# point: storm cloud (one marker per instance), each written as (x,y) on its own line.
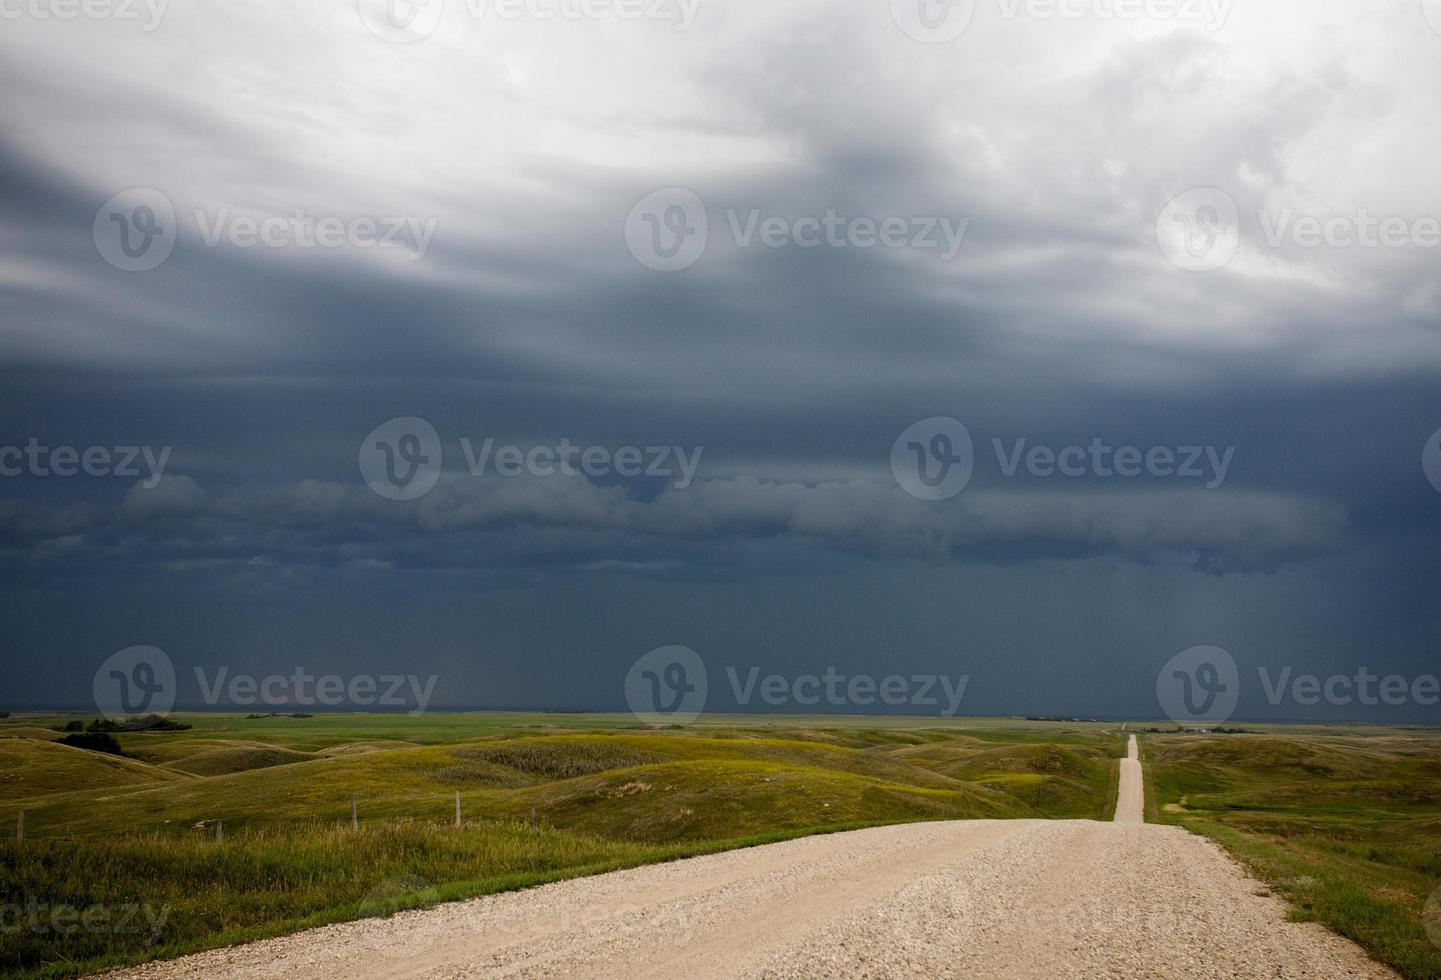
(520,148)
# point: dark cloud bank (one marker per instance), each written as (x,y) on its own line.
(792,370)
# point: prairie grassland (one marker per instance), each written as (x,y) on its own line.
(1345,826)
(136,835)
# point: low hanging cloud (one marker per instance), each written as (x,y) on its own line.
(313,521)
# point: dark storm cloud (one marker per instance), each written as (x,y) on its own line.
(1058,322)
(317,522)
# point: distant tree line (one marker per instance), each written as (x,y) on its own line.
(1218,730)
(148,723)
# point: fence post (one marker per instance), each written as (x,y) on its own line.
(219,831)
(354,814)
(20,827)
(457,808)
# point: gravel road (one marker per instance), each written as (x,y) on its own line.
(1131,799)
(983,898)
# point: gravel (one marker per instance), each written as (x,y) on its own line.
(982,898)
(1130,799)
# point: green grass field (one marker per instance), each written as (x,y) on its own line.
(1345,825)
(134,838)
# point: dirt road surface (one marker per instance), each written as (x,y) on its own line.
(1131,799)
(983,898)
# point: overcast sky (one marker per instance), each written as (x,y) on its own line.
(308,259)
